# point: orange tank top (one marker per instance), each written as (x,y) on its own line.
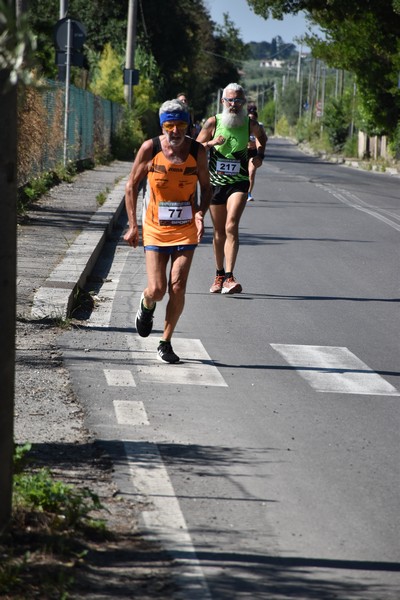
(169,218)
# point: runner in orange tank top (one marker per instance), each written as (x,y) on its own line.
(173,222)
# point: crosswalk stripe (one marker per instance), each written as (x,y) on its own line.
(119,377)
(196,367)
(130,412)
(334,369)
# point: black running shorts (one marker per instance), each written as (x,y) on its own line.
(221,193)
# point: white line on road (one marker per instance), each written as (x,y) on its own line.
(101,316)
(119,378)
(164,521)
(334,369)
(196,367)
(130,412)
(359,204)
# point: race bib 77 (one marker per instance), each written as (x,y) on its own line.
(175,213)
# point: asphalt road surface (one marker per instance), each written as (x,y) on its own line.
(268,460)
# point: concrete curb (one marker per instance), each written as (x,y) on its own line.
(55,299)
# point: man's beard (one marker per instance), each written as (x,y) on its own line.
(229,119)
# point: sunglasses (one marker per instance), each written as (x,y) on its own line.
(234,100)
(180,125)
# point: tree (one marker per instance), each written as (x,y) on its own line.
(8,194)
(360,36)
(259,50)
(290,103)
(107,79)
(8,252)
(368,47)
(192,52)
(336,122)
(16,45)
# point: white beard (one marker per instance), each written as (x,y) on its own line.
(229,119)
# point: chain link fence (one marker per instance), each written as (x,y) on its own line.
(92,123)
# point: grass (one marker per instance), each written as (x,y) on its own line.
(45,539)
(102,196)
(41,184)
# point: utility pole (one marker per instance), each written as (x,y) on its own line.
(67,89)
(301,95)
(353,102)
(8,268)
(218,106)
(63,8)
(62,69)
(299,64)
(130,47)
(20,7)
(323,96)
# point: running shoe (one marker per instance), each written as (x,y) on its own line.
(231,286)
(144,319)
(250,198)
(166,353)
(217,285)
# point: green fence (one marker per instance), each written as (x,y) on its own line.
(92,121)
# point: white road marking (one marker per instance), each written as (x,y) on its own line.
(164,521)
(130,412)
(119,377)
(196,367)
(334,369)
(101,315)
(355,202)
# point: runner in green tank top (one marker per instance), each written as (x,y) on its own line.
(228,161)
(226,136)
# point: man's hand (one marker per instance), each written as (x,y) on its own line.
(132,236)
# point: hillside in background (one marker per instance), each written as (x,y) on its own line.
(276,49)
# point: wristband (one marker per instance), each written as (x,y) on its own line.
(262,156)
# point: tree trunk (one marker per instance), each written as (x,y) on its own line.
(8,261)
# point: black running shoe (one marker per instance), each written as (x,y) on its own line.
(166,354)
(144,319)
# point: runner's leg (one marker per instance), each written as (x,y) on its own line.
(156,268)
(252,176)
(180,267)
(218,215)
(234,208)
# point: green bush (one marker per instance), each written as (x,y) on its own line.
(128,138)
(40,492)
(44,540)
(350,148)
(336,124)
(394,143)
(282,127)
(302,130)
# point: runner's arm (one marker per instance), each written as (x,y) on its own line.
(261,139)
(206,134)
(138,172)
(205,190)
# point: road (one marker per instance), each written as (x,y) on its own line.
(268,461)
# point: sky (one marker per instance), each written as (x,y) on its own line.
(254,28)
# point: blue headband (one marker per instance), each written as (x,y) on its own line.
(177,115)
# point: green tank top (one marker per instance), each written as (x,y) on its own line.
(229,161)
